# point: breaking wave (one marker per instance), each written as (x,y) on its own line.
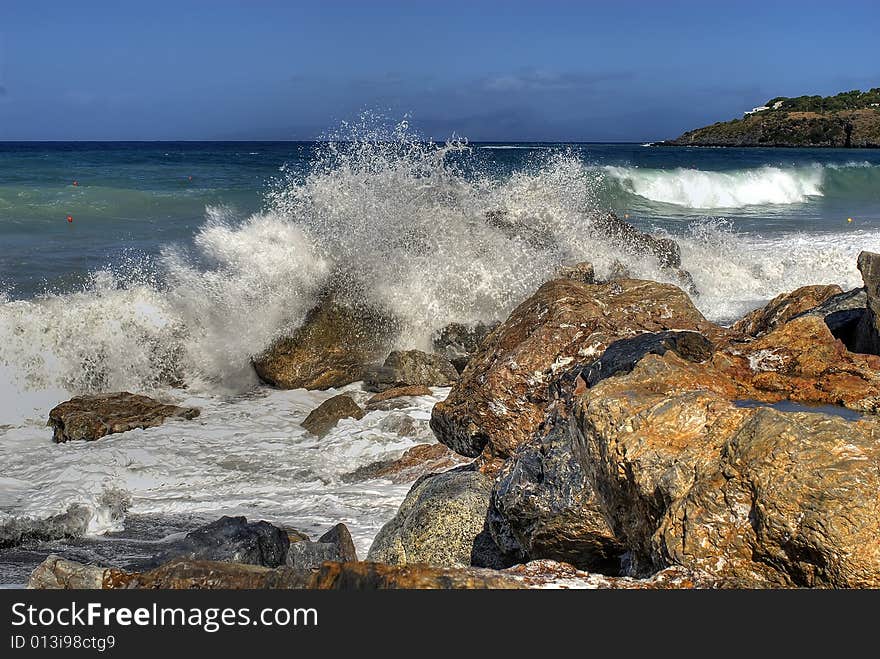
(413,227)
(759,186)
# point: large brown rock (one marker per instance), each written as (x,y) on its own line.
(803,361)
(502,395)
(374,403)
(330,349)
(94,416)
(783,308)
(686,476)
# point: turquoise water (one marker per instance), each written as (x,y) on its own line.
(134,198)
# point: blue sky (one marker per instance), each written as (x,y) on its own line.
(603,71)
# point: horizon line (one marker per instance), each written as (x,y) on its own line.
(265,141)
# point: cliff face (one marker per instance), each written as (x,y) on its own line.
(847,128)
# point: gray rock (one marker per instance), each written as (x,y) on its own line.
(869,326)
(843,315)
(324,418)
(340,537)
(622,356)
(543,506)
(457,342)
(232,539)
(582,272)
(57,573)
(626,236)
(410,367)
(335,545)
(73,523)
(532,230)
(442,522)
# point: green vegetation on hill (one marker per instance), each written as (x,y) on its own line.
(848,119)
(852,100)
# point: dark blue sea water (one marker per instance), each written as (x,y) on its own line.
(133,198)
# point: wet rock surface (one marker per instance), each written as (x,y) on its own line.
(331,348)
(94,416)
(407,368)
(543,506)
(501,397)
(457,342)
(324,418)
(582,272)
(622,356)
(335,545)
(232,539)
(416,462)
(783,308)
(381,400)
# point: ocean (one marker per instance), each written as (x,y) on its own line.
(120,260)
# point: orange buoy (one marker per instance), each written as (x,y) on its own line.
(70,218)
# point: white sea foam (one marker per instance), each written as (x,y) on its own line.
(737,272)
(247,456)
(704,189)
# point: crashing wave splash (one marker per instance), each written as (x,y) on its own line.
(403,224)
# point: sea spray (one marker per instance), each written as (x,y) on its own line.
(423,230)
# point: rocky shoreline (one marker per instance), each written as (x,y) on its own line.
(604,435)
(846,129)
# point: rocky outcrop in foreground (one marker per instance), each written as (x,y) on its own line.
(502,396)
(746,454)
(94,416)
(621,441)
(182,574)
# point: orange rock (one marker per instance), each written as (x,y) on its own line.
(502,395)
